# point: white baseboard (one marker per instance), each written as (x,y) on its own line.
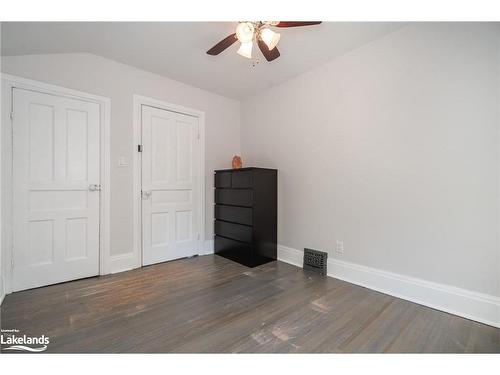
(290,255)
(472,305)
(128,261)
(208,247)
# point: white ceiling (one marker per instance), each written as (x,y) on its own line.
(177,49)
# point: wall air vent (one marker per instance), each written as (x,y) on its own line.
(315,261)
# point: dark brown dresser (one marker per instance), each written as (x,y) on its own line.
(246,215)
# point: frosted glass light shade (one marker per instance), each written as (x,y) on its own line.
(245,31)
(270,38)
(245,50)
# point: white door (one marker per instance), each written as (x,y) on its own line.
(55,189)
(170,185)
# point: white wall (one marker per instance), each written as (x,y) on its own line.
(392,148)
(100,76)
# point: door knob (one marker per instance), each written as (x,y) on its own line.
(95,187)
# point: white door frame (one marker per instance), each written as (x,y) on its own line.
(9,82)
(139,101)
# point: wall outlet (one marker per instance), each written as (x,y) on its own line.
(340,247)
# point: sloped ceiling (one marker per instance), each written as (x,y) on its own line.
(177,49)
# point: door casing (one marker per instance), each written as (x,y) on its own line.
(139,101)
(9,82)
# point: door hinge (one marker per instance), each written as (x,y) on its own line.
(12,115)
(139,148)
(198,237)
(12,263)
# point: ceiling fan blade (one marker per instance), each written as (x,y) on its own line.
(222,45)
(269,55)
(297,23)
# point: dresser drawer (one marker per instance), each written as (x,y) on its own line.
(234,197)
(242,179)
(237,251)
(235,231)
(240,215)
(223,179)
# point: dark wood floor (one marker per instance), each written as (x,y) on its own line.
(210,304)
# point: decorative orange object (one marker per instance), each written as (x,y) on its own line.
(237,164)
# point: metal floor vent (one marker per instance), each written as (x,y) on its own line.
(315,261)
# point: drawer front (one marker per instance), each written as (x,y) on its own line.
(240,215)
(234,197)
(243,179)
(223,179)
(235,231)
(237,251)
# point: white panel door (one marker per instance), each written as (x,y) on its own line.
(55,189)
(170,192)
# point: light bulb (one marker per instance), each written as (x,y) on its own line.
(244,32)
(245,50)
(270,38)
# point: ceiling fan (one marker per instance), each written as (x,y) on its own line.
(261,32)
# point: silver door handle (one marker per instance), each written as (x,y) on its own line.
(95,187)
(146,194)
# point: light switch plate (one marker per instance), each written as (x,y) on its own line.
(122,162)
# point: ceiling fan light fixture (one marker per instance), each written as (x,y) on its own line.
(270,37)
(245,32)
(245,49)
(259,31)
